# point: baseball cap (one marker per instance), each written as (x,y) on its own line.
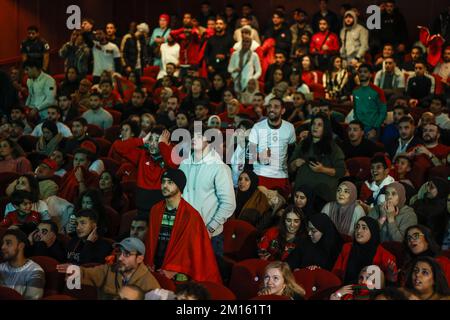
(131,245)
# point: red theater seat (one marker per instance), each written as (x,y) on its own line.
(54,281)
(246,278)
(218,291)
(315,281)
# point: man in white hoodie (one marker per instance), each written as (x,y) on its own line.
(209,188)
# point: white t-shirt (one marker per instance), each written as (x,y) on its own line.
(169,54)
(104,56)
(278,140)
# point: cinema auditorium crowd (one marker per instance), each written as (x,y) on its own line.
(320,170)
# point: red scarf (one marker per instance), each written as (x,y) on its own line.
(189,250)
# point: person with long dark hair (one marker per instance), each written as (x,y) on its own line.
(317,161)
(322,246)
(426,281)
(50,139)
(419,242)
(335,79)
(365,250)
(278,242)
(219,83)
(111,189)
(197,95)
(71,81)
(12,158)
(304,198)
(92,199)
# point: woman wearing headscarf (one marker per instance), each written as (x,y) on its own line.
(304,199)
(431,207)
(394,216)
(50,138)
(321,248)
(252,205)
(345,211)
(365,250)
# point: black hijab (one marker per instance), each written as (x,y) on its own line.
(309,209)
(323,253)
(243,196)
(432,213)
(361,255)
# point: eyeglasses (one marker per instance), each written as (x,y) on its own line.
(414,236)
(126,254)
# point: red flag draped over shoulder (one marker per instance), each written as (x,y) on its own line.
(189,250)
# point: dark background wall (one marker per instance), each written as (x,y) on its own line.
(50,15)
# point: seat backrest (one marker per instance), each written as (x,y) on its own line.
(113,221)
(112,133)
(397,249)
(359,167)
(85,293)
(9,294)
(111,165)
(246,278)
(6,178)
(218,291)
(27,142)
(103,146)
(239,240)
(117,116)
(270,297)
(94,131)
(54,281)
(315,281)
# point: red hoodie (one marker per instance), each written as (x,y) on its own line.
(149,171)
(190,52)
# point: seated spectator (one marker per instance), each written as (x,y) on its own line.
(372,193)
(61,159)
(278,242)
(109,186)
(215,93)
(407,139)
(365,286)
(279,63)
(80,135)
(43,241)
(249,93)
(50,139)
(391,132)
(322,246)
(309,76)
(357,145)
(279,281)
(390,78)
(129,129)
(419,242)
(79,178)
(252,205)
(53,115)
(304,198)
(71,81)
(178,243)
(92,199)
(18,114)
(110,98)
(183,122)
(127,270)
(335,79)
(139,227)
(437,106)
(345,212)
(86,246)
(394,215)
(23,216)
(151,162)
(388,51)
(317,161)
(69,111)
(431,153)
(12,158)
(18,272)
(403,165)
(139,104)
(420,85)
(27,183)
(363,251)
(426,281)
(97,114)
(430,205)
(416,55)
(81,97)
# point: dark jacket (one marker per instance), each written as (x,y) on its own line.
(81,252)
(56,251)
(392,147)
(130,51)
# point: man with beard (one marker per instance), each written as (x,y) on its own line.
(111,34)
(443,70)
(390,132)
(416,55)
(354,39)
(18,272)
(270,140)
(128,270)
(324,44)
(217,51)
(53,115)
(431,152)
(97,115)
(369,103)
(407,140)
(393,27)
(356,145)
(178,243)
(79,135)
